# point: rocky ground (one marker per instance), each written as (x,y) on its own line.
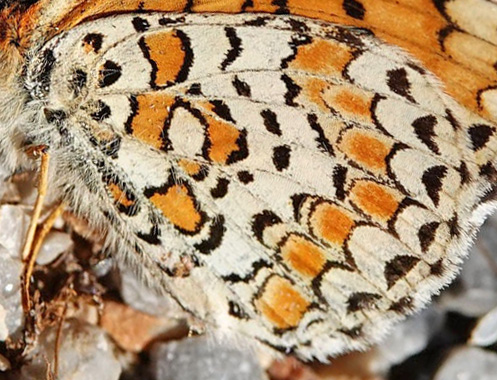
(91,320)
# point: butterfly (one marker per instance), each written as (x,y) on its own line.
(301,173)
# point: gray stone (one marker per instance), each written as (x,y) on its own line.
(406,339)
(14,222)
(468,363)
(485,331)
(140,297)
(11,314)
(55,244)
(203,359)
(477,284)
(85,353)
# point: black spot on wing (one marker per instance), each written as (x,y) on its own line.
(271,122)
(256,267)
(292,90)
(242,88)
(323,143)
(282,7)
(216,234)
(151,237)
(454,229)
(361,301)
(281,157)
(134,106)
(165,21)
(235,47)
(222,110)
(109,74)
(94,40)
(262,221)
(437,269)
(402,306)
(140,24)
(188,6)
(245,177)
(102,111)
(480,135)
(298,26)
(398,268)
(258,21)
(433,180)
(354,9)
(195,89)
(339,178)
(247,4)
(488,170)
(45,73)
(221,188)
(426,235)
(297,202)
(424,127)
(452,120)
(464,173)
(399,83)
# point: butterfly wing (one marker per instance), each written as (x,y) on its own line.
(296,181)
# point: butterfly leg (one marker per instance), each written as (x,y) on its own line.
(36,235)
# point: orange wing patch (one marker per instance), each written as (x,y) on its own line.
(368,149)
(170,55)
(190,167)
(350,102)
(303,255)
(314,88)
(225,143)
(281,304)
(125,202)
(177,204)
(150,112)
(379,201)
(322,57)
(330,223)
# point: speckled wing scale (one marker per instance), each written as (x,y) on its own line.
(296,181)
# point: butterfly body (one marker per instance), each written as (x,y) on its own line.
(298,181)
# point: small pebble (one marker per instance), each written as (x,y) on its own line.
(468,363)
(4,364)
(131,329)
(140,297)
(10,294)
(14,222)
(202,358)
(485,331)
(85,353)
(55,244)
(406,339)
